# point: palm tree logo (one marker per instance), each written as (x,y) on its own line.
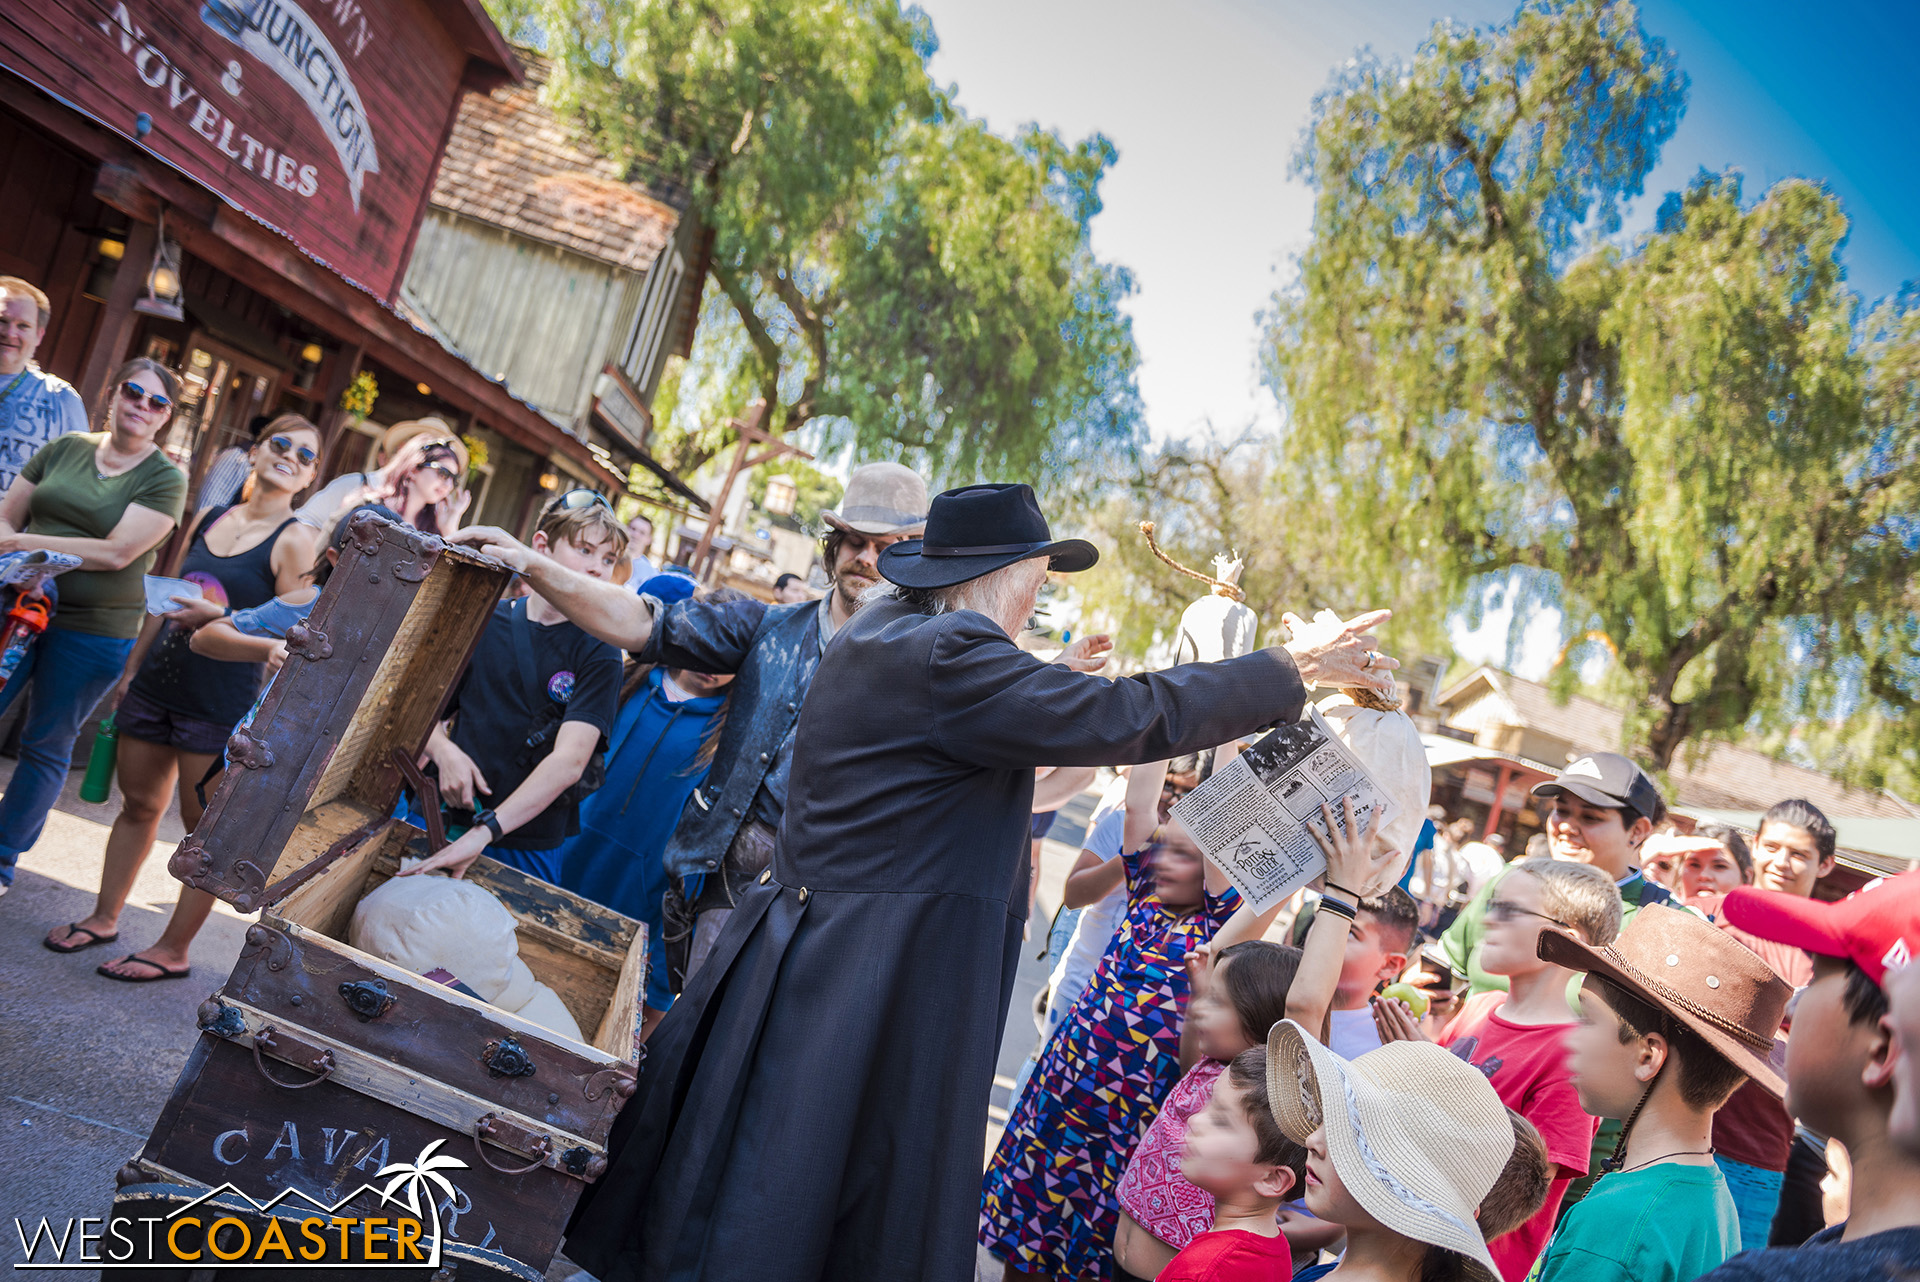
(422,1175)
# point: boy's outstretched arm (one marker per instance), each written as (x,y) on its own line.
(1353,862)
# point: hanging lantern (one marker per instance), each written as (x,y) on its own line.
(163,278)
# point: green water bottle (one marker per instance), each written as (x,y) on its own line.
(106,745)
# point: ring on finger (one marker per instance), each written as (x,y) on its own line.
(1371,656)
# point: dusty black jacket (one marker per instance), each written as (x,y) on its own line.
(814,1105)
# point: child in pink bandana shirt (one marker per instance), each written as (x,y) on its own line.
(1243,989)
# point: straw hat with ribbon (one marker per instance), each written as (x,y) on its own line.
(1416,1134)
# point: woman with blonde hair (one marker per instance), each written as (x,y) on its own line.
(422,476)
(175,712)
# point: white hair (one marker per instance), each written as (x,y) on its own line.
(1006,595)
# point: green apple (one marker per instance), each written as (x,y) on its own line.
(1408,995)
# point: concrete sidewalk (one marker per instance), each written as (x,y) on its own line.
(86,1062)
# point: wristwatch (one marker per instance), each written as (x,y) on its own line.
(490,821)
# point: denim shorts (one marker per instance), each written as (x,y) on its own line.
(141,718)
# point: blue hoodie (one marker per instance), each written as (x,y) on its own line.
(624,825)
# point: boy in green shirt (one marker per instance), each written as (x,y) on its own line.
(1674,1017)
(1603,808)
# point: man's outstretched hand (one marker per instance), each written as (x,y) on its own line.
(496,543)
(1342,654)
(1088,653)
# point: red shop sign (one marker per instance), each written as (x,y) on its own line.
(324,118)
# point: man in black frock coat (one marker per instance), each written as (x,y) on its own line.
(815,1104)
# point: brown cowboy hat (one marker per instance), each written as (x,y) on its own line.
(406,430)
(881,498)
(1697,973)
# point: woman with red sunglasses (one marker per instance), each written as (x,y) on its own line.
(109,498)
(177,709)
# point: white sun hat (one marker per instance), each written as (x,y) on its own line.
(1417,1135)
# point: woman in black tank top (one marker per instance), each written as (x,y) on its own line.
(177,711)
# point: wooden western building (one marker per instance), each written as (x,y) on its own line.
(238,187)
(542,263)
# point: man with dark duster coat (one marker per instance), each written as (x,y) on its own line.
(814,1105)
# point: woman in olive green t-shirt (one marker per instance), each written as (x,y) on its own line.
(109,498)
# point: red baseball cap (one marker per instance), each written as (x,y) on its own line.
(1877,927)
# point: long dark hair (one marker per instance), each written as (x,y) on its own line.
(637,675)
(1256,984)
(1736,846)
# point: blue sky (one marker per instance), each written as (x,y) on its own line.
(1206,100)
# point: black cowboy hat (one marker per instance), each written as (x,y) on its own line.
(976,530)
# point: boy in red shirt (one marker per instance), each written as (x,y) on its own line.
(1235,1151)
(1518,1038)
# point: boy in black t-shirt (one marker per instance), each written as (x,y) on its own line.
(534,706)
(1843,1066)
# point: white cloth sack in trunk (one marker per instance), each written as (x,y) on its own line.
(428,923)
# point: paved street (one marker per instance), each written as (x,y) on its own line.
(86,1063)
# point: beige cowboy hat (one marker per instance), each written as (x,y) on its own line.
(881,498)
(1697,973)
(1417,1135)
(405,430)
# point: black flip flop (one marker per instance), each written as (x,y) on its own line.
(67,946)
(160,972)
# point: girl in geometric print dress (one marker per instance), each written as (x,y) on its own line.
(1047,1205)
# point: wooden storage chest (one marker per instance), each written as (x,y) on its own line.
(319,1063)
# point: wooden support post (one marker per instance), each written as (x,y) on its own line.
(333,420)
(752,429)
(117,318)
(742,462)
(1499,801)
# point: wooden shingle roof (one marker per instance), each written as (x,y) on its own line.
(1729,777)
(512,162)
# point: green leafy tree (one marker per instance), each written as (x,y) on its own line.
(1207,499)
(899,277)
(1690,446)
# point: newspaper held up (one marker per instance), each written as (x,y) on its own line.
(1251,817)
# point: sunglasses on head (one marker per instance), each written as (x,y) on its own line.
(304,454)
(574,500)
(134,394)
